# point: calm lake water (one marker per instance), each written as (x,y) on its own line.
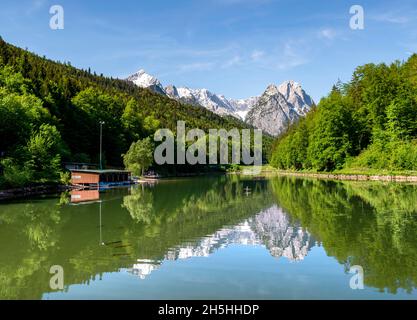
(220,238)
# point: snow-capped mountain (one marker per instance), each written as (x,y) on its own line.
(218,104)
(145,80)
(203,97)
(181,94)
(272,112)
(278,107)
(242,106)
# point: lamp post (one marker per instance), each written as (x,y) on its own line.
(101,143)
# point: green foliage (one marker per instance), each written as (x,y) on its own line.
(139,157)
(140,205)
(19,115)
(132,119)
(234,168)
(36,91)
(93,106)
(370,122)
(12,81)
(15,174)
(393,155)
(38,161)
(65,178)
(402,115)
(44,149)
(150,124)
(331,139)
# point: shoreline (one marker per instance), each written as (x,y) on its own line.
(32,191)
(344,177)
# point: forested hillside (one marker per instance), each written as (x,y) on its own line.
(50,114)
(369,123)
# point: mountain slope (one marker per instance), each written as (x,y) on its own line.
(296,96)
(279,107)
(242,106)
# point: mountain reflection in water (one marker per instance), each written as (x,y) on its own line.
(210,238)
(271,228)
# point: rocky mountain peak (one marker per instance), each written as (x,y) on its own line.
(172,91)
(272,112)
(279,107)
(294,94)
(145,80)
(272,89)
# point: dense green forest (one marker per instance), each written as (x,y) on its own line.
(50,114)
(368,124)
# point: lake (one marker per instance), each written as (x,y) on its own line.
(226,237)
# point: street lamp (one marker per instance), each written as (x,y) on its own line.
(101,143)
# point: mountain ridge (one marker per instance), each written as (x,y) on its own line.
(287,104)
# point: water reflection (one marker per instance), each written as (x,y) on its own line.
(373,225)
(271,228)
(83,196)
(141,229)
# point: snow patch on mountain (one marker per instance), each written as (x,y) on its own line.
(242,106)
(278,107)
(145,80)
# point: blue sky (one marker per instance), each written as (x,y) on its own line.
(231,47)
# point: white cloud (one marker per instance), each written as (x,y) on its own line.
(257,55)
(327,33)
(232,62)
(291,56)
(391,17)
(196,66)
(34,6)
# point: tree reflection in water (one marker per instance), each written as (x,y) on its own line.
(369,224)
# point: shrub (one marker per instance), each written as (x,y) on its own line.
(15,175)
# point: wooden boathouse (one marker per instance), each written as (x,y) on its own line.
(96,178)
